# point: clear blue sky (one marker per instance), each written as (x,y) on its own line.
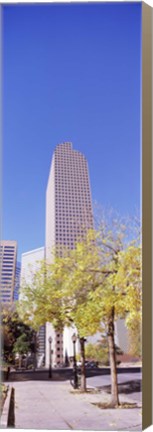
(70,72)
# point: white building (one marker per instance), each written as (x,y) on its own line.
(30,262)
(68,216)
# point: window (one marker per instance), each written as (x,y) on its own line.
(10,248)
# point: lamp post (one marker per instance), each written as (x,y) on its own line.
(74,338)
(50,357)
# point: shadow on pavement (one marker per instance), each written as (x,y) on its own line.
(127,387)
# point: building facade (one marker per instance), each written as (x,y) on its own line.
(29,264)
(17,281)
(8,257)
(68,216)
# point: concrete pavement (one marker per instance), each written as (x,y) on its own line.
(55,405)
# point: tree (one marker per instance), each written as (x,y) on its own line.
(115,292)
(90,286)
(98,352)
(41,299)
(21,346)
(135,339)
(12,328)
(103,285)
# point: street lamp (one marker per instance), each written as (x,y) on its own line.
(50,357)
(74,339)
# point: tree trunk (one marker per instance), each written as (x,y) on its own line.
(20,361)
(83,372)
(112,354)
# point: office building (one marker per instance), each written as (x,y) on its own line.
(8,256)
(68,216)
(30,262)
(17,281)
(68,199)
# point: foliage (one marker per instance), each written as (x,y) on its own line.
(21,345)
(13,330)
(134,339)
(91,286)
(97,352)
(42,298)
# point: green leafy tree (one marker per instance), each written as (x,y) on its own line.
(135,339)
(98,352)
(12,328)
(21,346)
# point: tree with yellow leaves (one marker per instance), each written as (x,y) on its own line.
(91,286)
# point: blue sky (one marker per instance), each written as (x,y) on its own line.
(70,72)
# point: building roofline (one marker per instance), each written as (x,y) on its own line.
(33,250)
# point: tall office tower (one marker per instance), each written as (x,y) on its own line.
(68,209)
(8,254)
(68,198)
(17,281)
(29,264)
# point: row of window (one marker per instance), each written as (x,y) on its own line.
(7,270)
(70,159)
(72,212)
(5,291)
(63,222)
(74,173)
(5,277)
(72,178)
(69,211)
(66,235)
(6,254)
(67,151)
(65,241)
(71,200)
(5,285)
(7,247)
(7,260)
(68,231)
(68,198)
(67,181)
(71,193)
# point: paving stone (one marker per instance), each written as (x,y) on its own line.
(52,405)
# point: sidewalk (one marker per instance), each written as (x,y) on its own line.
(54,405)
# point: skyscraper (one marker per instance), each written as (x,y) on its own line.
(8,254)
(68,210)
(68,199)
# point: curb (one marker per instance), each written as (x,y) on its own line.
(8,414)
